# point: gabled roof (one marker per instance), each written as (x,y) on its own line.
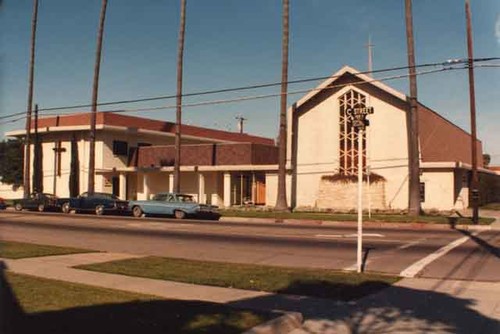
(350,70)
(81,122)
(440,139)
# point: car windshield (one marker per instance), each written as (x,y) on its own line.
(185,198)
(105,195)
(161,197)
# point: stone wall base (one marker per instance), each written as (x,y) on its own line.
(344,196)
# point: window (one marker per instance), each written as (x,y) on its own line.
(349,136)
(120,147)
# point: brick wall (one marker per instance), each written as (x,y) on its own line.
(208,155)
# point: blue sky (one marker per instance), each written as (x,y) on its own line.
(233,43)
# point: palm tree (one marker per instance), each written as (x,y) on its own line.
(180,54)
(27,159)
(281,204)
(95,90)
(413,154)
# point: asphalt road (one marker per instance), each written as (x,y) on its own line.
(390,250)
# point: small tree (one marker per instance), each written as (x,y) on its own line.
(11,162)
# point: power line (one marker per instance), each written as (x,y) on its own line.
(258,97)
(243,88)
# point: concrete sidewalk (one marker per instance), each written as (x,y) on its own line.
(412,305)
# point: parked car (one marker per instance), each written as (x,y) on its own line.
(173,204)
(38,201)
(3,205)
(99,203)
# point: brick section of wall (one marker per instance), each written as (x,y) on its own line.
(441,140)
(238,154)
(208,155)
(191,155)
(344,196)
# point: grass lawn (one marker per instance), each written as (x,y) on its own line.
(50,306)
(349,217)
(308,282)
(19,250)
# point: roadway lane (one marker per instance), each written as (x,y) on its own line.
(476,259)
(389,250)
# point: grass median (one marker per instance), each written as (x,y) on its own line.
(19,250)
(307,282)
(38,305)
(380,218)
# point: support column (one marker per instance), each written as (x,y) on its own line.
(254,189)
(171,183)
(146,186)
(123,186)
(202,198)
(227,190)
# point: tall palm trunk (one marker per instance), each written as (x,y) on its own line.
(412,120)
(27,150)
(178,118)
(95,90)
(281,203)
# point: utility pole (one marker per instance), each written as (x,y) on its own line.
(178,122)
(472,99)
(95,91)
(412,120)
(281,203)
(27,149)
(240,119)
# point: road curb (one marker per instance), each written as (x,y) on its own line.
(281,325)
(313,222)
(300,222)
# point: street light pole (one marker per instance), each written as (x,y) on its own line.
(472,100)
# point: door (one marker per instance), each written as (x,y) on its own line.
(115,181)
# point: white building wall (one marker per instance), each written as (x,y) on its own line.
(272,189)
(439,190)
(318,149)
(319,141)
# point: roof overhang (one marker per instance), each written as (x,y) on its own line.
(100,127)
(226,168)
(447,165)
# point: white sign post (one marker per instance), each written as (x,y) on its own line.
(357,117)
(360,198)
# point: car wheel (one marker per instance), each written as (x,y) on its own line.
(137,211)
(99,210)
(41,207)
(65,208)
(18,207)
(179,214)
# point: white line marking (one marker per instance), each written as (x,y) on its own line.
(415,268)
(348,235)
(328,235)
(413,243)
(364,235)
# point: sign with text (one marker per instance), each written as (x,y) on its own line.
(357,116)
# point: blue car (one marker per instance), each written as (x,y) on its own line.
(172,204)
